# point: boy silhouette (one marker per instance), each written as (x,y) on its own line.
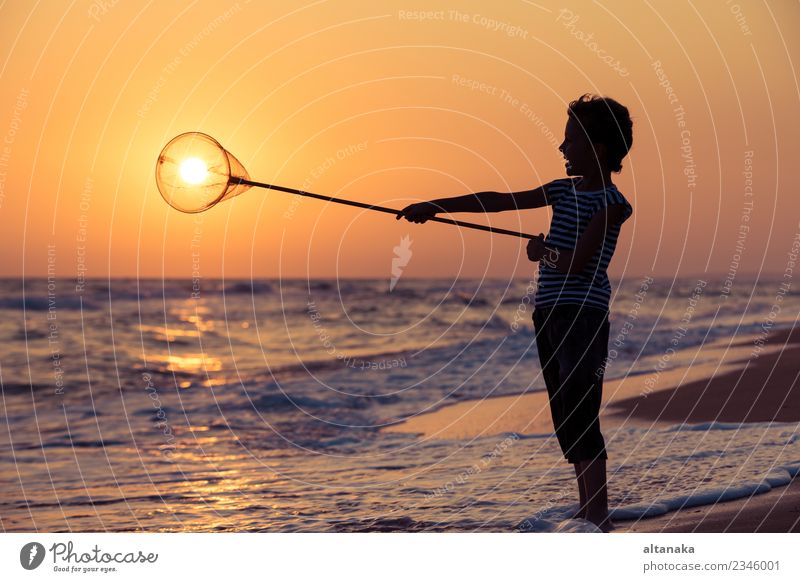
(571,304)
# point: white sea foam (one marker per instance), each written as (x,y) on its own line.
(687,465)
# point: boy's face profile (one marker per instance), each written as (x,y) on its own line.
(577,149)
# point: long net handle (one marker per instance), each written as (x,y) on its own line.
(379,208)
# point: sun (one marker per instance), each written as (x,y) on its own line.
(193,170)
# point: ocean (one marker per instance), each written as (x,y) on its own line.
(239,405)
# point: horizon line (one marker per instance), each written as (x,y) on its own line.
(359,278)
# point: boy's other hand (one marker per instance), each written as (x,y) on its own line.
(536,248)
(418,213)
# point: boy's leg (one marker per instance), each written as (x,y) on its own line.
(573,345)
(543,321)
(589,446)
(581,513)
(594,475)
(547,337)
(549,325)
(581,354)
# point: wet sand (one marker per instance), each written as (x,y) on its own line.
(777,511)
(764,389)
(732,386)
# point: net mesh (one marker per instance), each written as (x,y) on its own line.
(194,172)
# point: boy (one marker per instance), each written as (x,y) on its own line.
(571,304)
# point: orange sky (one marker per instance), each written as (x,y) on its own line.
(381,103)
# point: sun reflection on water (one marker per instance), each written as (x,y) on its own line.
(193,363)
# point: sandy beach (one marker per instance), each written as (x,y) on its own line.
(731,386)
(777,511)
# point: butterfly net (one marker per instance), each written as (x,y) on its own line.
(194,172)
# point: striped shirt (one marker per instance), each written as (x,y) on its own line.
(572,211)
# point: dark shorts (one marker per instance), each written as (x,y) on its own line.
(572,341)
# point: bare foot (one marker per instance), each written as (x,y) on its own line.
(607,526)
(604,523)
(580,514)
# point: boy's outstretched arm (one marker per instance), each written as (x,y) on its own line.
(572,261)
(478,202)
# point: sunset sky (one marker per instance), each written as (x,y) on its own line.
(391,103)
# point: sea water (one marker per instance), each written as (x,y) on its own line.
(258,405)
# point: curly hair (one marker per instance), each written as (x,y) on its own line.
(605,121)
